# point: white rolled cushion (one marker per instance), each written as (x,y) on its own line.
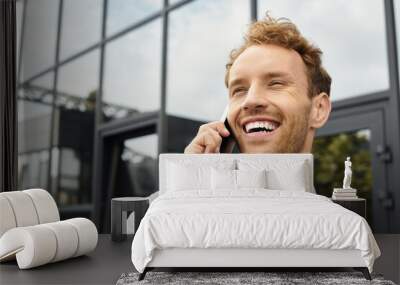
(40,244)
(223,179)
(67,240)
(7,218)
(251,178)
(33,246)
(23,208)
(87,235)
(45,205)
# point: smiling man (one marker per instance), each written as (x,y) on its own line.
(278,93)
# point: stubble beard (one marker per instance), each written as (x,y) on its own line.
(292,137)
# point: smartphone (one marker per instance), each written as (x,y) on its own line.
(228,143)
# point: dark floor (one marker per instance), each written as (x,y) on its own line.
(110,260)
(389,262)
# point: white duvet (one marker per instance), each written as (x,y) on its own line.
(253,218)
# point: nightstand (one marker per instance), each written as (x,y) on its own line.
(357,205)
(121,210)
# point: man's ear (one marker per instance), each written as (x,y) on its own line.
(320,110)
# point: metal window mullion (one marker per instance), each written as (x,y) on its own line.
(162,125)
(99,97)
(55,82)
(253,10)
(21,41)
(391,47)
(98,144)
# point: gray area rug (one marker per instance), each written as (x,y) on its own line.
(226,278)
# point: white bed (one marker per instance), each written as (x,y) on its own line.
(194,223)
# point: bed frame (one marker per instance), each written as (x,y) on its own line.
(248,259)
(261,259)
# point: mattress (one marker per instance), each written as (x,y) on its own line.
(251,218)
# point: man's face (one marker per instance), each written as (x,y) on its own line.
(269,103)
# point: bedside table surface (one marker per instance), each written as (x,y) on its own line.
(129,199)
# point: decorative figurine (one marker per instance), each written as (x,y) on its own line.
(347,192)
(347,174)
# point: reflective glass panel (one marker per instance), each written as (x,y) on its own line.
(79,78)
(72,176)
(397,21)
(19,6)
(81,25)
(172,2)
(201,36)
(39,45)
(44,82)
(34,129)
(132,72)
(137,176)
(74,132)
(353,42)
(32,170)
(122,13)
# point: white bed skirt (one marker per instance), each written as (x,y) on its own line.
(236,257)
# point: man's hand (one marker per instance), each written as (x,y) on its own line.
(208,138)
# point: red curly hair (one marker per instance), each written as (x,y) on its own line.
(282,32)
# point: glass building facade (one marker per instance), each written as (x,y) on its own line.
(104,86)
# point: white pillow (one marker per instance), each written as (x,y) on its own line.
(223,179)
(295,181)
(186,175)
(251,178)
(293,175)
(183,177)
(228,179)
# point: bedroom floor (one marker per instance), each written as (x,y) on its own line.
(389,262)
